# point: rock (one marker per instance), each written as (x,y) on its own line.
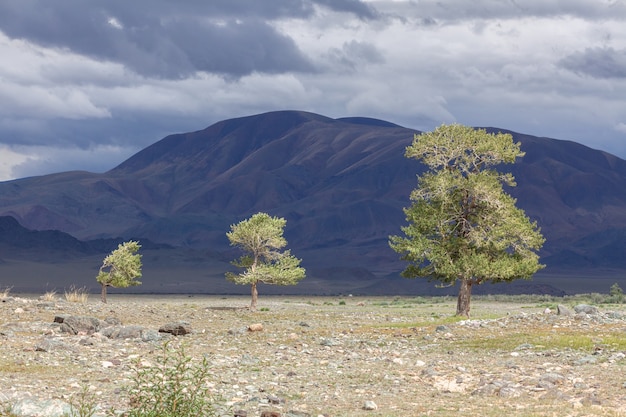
(270,414)
(256,327)
(586,360)
(296,413)
(238,332)
(329,342)
(179,328)
(80,324)
(585,308)
(49,345)
(561,310)
(151,336)
(442,328)
(240,413)
(370,405)
(248,360)
(123,332)
(35,407)
(113,321)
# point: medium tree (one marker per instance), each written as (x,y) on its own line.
(463,226)
(121,268)
(261,238)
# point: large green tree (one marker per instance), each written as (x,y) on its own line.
(261,238)
(463,226)
(121,268)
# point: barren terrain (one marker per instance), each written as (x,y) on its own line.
(328,356)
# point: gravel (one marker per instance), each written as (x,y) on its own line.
(320,356)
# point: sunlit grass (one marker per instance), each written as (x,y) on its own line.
(4,293)
(77,295)
(542,339)
(49,296)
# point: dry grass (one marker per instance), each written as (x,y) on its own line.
(49,296)
(4,293)
(77,295)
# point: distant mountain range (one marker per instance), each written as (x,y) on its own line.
(340,183)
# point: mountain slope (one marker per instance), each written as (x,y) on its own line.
(340,183)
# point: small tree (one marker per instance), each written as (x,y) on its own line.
(121,268)
(261,238)
(462,225)
(616,293)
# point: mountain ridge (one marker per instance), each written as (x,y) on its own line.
(340,183)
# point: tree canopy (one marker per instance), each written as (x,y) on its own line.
(463,226)
(261,238)
(121,268)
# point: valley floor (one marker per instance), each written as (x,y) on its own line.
(328,356)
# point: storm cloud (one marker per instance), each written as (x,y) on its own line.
(84,85)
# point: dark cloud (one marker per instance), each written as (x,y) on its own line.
(456,10)
(354,55)
(597,63)
(355,7)
(171,39)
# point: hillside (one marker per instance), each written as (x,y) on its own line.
(340,183)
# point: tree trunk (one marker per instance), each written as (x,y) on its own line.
(103,294)
(255,296)
(465,295)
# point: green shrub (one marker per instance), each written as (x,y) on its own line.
(173,387)
(83,404)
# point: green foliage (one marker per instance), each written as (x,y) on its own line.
(616,294)
(83,404)
(121,268)
(173,387)
(261,238)
(462,225)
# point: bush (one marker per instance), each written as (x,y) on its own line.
(174,387)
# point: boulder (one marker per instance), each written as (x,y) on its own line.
(123,332)
(179,328)
(80,324)
(256,327)
(561,310)
(586,309)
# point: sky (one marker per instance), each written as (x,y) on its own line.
(86,84)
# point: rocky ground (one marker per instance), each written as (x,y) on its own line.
(320,356)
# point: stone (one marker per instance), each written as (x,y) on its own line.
(80,325)
(179,328)
(122,332)
(561,310)
(587,360)
(49,345)
(240,413)
(296,413)
(272,399)
(587,309)
(113,321)
(270,414)
(36,407)
(329,342)
(256,327)
(370,405)
(151,336)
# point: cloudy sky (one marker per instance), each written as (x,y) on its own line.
(85,84)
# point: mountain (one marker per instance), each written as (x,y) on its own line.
(340,183)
